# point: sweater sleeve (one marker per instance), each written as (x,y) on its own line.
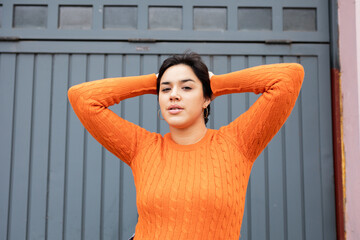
(90,101)
(279,84)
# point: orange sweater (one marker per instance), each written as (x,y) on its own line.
(191,191)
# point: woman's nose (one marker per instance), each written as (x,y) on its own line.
(174,95)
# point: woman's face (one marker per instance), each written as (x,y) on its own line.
(181,97)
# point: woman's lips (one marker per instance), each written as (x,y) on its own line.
(175,110)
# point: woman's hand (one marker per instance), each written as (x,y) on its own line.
(210,74)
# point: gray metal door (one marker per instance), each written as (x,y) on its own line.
(57,182)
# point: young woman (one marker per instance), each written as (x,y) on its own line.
(191,182)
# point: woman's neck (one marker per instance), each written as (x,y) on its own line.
(187,136)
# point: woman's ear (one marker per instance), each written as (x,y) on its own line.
(207,102)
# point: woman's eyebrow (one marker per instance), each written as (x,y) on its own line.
(182,81)
(187,80)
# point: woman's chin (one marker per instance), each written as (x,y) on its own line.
(177,122)
(181,123)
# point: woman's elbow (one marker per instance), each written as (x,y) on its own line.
(76,97)
(299,72)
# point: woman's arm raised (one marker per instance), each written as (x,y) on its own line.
(279,84)
(90,101)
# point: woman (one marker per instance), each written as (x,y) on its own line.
(191,183)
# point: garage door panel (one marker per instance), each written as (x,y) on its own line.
(238,101)
(128,194)
(163,126)
(21,145)
(7,87)
(294,189)
(74,162)
(58,146)
(91,193)
(39,139)
(111,169)
(297,21)
(149,105)
(275,166)
(275,177)
(220,66)
(311,141)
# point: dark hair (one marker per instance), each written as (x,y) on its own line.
(194,61)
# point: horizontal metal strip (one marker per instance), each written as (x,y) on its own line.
(163,2)
(184,35)
(93,47)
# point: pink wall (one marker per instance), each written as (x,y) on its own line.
(349,41)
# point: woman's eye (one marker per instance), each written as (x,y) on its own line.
(165,89)
(187,88)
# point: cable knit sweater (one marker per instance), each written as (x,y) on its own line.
(192,191)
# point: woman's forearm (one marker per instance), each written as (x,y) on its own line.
(90,102)
(280,86)
(110,91)
(258,79)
